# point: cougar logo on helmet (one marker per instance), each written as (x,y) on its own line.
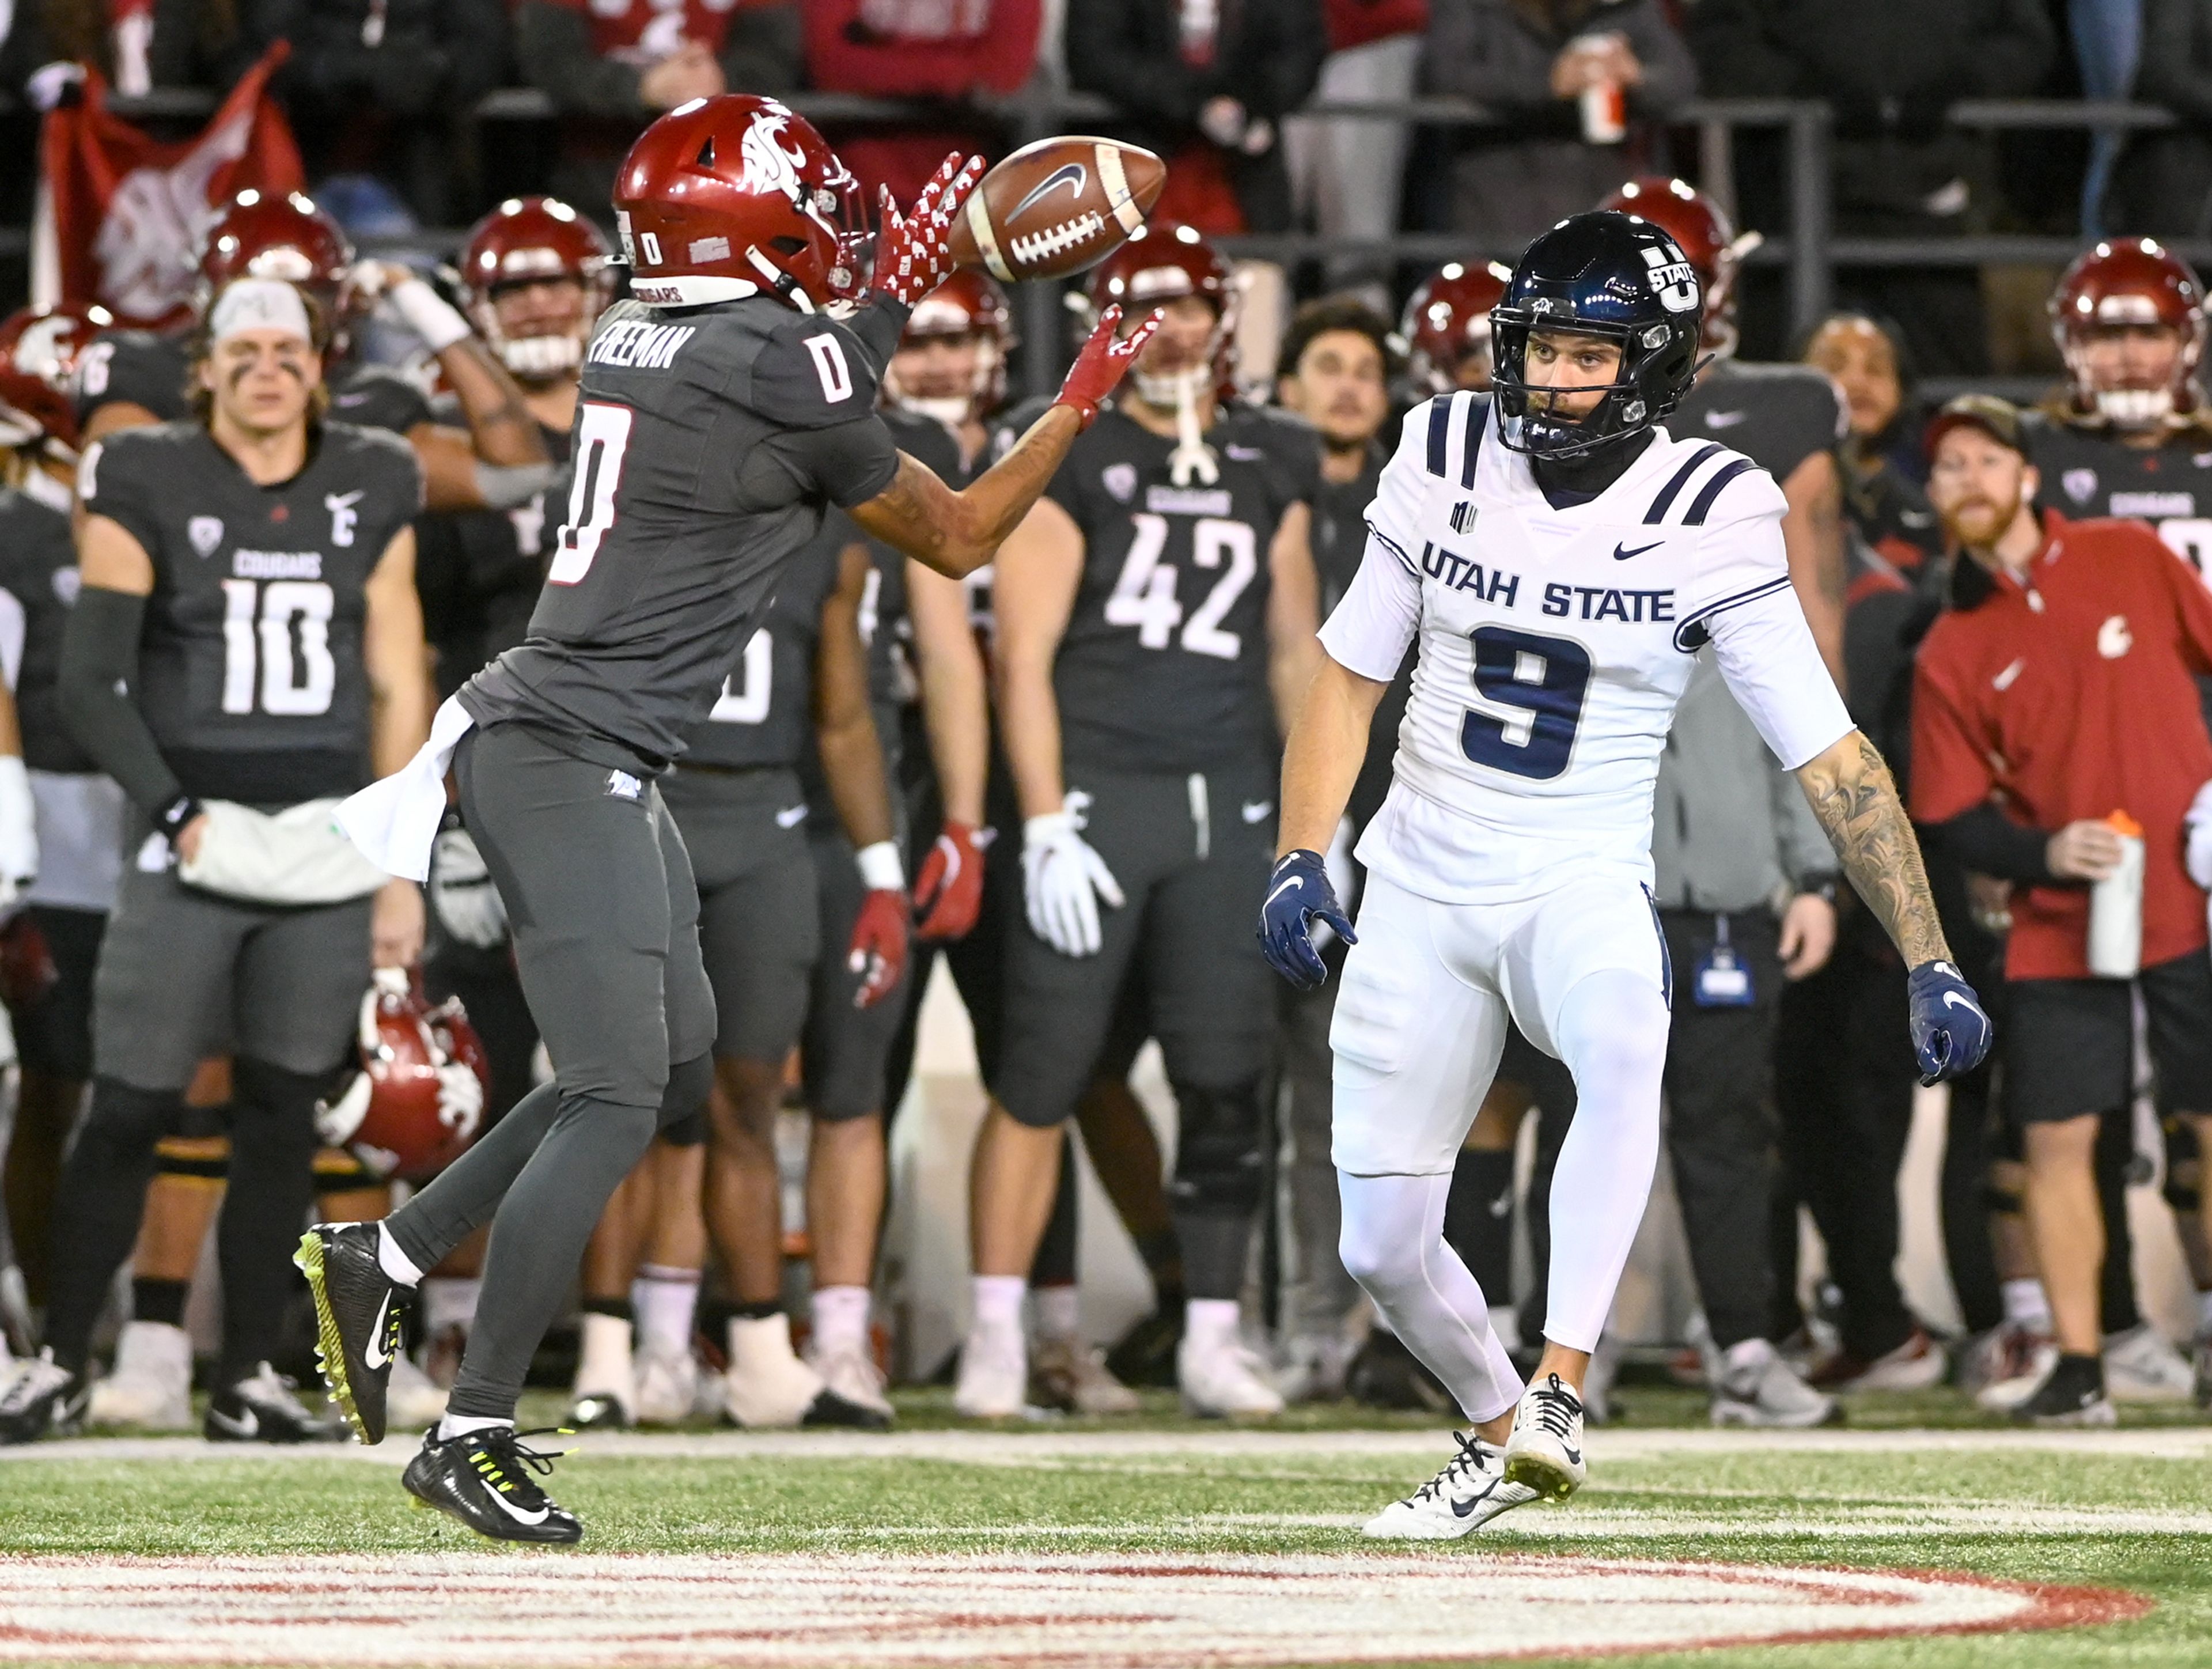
(767,166)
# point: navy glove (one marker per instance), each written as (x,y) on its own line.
(1950,1033)
(1298,893)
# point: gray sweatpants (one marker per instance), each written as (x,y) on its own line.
(605,918)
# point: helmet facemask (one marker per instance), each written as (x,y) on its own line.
(1626,407)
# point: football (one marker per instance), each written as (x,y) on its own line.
(1056,207)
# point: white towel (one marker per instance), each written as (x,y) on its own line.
(395,818)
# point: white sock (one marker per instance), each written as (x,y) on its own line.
(2025,1305)
(841,1319)
(464,1425)
(664,1301)
(1058,1311)
(450,1300)
(396,1263)
(1611,1032)
(1212,1323)
(759,1344)
(999,1302)
(1392,1241)
(606,1352)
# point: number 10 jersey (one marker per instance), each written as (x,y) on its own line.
(1554,644)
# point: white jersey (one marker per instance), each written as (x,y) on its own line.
(1554,644)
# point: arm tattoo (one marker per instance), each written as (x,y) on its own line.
(1855,797)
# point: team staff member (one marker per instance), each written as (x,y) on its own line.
(1155,613)
(2057,693)
(247,636)
(713,438)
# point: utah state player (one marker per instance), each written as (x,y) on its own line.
(245,640)
(1155,616)
(723,412)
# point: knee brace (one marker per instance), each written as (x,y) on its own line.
(125,1119)
(201,1160)
(1216,1170)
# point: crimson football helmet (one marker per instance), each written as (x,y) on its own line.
(1710,243)
(2130,282)
(38,352)
(1447,323)
(737,196)
(1161,262)
(968,304)
(257,235)
(416,1098)
(527,240)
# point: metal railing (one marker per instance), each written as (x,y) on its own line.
(1805,245)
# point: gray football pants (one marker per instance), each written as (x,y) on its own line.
(605,918)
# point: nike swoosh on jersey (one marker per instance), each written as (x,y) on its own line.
(1244,454)
(1070,174)
(2003,679)
(376,1356)
(791,816)
(1295,880)
(514,1512)
(1619,555)
(1256,810)
(1725,419)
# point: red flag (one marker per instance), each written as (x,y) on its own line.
(120,213)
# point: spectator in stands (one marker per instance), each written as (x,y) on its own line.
(1346,171)
(1890,72)
(1207,83)
(2163,184)
(1531,62)
(389,89)
(136,45)
(611,66)
(917,49)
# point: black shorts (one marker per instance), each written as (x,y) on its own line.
(1192,856)
(53,1030)
(2069,1044)
(758,926)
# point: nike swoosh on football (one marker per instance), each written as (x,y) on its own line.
(514,1512)
(376,1356)
(1070,174)
(1619,555)
(1725,419)
(1295,880)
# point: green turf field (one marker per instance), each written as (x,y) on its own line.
(2130,1512)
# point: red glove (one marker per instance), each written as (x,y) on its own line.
(1099,369)
(949,894)
(878,948)
(915,252)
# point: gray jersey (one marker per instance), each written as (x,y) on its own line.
(1164,665)
(708,445)
(764,712)
(1777,416)
(150,369)
(37,583)
(251,669)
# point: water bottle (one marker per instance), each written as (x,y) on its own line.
(2116,907)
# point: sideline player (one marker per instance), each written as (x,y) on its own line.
(1560,557)
(712,438)
(245,640)
(2130,436)
(1446,328)
(1156,614)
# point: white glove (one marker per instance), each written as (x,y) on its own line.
(1063,879)
(19,829)
(460,1098)
(2197,830)
(468,905)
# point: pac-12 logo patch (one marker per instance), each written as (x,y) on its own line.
(1120,480)
(205,532)
(2079,484)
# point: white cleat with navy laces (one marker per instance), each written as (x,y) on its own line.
(1544,1451)
(1466,1495)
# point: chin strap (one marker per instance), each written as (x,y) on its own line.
(1192,458)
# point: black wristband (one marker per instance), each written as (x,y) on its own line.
(174,818)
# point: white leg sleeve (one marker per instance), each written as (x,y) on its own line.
(1611,1032)
(1393,1243)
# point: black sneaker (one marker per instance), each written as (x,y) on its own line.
(484,1479)
(1146,1354)
(358,1309)
(2071,1394)
(829,1409)
(262,1409)
(42,1399)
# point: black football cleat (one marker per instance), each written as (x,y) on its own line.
(42,1400)
(358,1309)
(262,1409)
(484,1479)
(829,1409)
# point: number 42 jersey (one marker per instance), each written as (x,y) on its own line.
(1554,644)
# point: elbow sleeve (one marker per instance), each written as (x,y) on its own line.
(1988,842)
(98,669)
